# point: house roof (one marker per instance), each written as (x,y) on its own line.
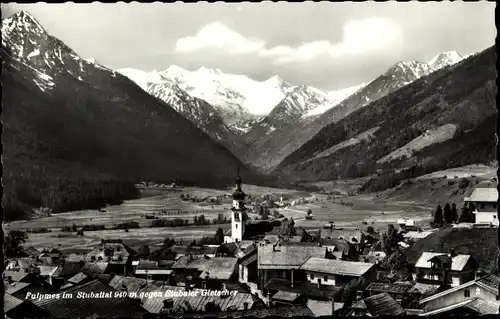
(417,234)
(458,261)
(219,268)
(195,301)
(340,244)
(190,262)
(351,235)
(483,307)
(381,305)
(477,242)
(154,271)
(10,302)
(47,270)
(286,296)
(194,250)
(395,288)
(78,278)
(286,256)
(283,311)
(84,307)
(489,282)
(17,286)
(133,284)
(447,308)
(75,258)
(483,195)
(414,312)
(95,268)
(308,289)
(336,267)
(16,275)
(71,268)
(320,307)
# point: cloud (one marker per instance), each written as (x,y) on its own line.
(217,36)
(359,37)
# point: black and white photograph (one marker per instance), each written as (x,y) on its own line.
(230,160)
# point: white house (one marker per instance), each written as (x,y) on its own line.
(485,202)
(335,272)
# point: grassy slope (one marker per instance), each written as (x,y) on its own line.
(464,95)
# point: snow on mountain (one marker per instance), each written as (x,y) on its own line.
(141,78)
(335,98)
(278,83)
(234,95)
(444,59)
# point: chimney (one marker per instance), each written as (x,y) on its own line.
(270,299)
(245,306)
(452,253)
(359,295)
(224,286)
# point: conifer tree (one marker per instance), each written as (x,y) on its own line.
(438,216)
(447,213)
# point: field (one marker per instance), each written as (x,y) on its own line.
(416,201)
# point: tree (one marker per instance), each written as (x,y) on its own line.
(454,213)
(370,230)
(466,215)
(351,288)
(438,216)
(447,214)
(219,236)
(144,251)
(13,243)
(168,243)
(309,212)
(395,262)
(265,214)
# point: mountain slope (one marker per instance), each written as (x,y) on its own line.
(269,151)
(84,124)
(463,95)
(298,101)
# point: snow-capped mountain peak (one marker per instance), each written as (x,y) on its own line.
(141,78)
(444,59)
(278,83)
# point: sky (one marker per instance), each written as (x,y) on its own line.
(327,45)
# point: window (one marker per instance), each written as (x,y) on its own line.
(482,205)
(494,205)
(312,276)
(325,278)
(236,225)
(466,293)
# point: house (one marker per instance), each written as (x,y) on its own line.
(14,308)
(10,276)
(335,272)
(445,269)
(339,248)
(50,273)
(218,271)
(247,266)
(354,236)
(377,305)
(152,270)
(87,305)
(114,253)
(199,251)
(480,296)
(397,290)
(485,202)
(407,225)
(284,261)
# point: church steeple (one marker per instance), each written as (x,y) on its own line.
(238,194)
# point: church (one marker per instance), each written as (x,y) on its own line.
(242,228)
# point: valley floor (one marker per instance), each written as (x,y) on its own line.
(416,200)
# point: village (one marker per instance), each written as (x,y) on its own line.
(267,265)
